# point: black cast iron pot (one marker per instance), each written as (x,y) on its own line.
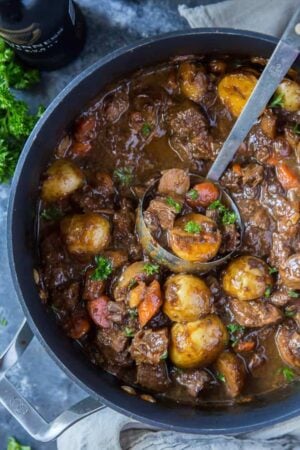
(276,408)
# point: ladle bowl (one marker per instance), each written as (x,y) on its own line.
(166,258)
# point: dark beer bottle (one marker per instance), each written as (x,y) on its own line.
(44,33)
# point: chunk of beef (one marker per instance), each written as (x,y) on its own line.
(174,182)
(252,174)
(290,271)
(149,346)
(90,199)
(230,238)
(160,320)
(268,123)
(154,378)
(116,312)
(282,248)
(233,370)
(189,137)
(193,380)
(159,214)
(124,230)
(288,345)
(116,104)
(117,257)
(66,300)
(280,297)
(113,345)
(92,288)
(254,314)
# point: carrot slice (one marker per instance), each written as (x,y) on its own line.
(237,169)
(151,303)
(287,176)
(202,194)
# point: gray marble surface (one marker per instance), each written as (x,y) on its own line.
(111,24)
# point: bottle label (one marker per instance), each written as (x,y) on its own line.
(14,40)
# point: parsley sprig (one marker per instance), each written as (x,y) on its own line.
(151,269)
(192,227)
(176,205)
(13,444)
(235,331)
(288,373)
(124,175)
(103,268)
(277,100)
(227,217)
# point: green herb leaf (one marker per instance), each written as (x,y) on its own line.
(132,312)
(268,292)
(296,128)
(227,217)
(220,377)
(13,444)
(164,355)
(293,294)
(272,270)
(277,100)
(192,227)
(128,332)
(51,213)
(3,321)
(102,270)
(151,269)
(124,175)
(289,312)
(171,202)
(146,129)
(192,194)
(288,374)
(235,331)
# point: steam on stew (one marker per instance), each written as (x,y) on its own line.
(224,336)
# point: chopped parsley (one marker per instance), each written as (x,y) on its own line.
(227,217)
(51,213)
(220,377)
(164,355)
(235,331)
(272,270)
(296,128)
(192,227)
(293,294)
(151,269)
(289,312)
(192,194)
(171,202)
(132,312)
(288,374)
(146,129)
(128,332)
(124,175)
(268,292)
(13,444)
(103,269)
(277,100)
(3,321)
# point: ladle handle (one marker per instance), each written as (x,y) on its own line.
(279,63)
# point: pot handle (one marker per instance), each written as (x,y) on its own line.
(22,410)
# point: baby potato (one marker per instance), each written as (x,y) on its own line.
(234,90)
(62,178)
(187,298)
(246,278)
(195,237)
(290,272)
(193,81)
(290,92)
(197,344)
(85,233)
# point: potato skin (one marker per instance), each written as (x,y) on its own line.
(233,370)
(62,178)
(290,91)
(246,278)
(197,344)
(234,90)
(85,234)
(187,298)
(202,246)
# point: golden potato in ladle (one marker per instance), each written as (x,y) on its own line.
(288,93)
(62,178)
(195,237)
(187,298)
(247,278)
(197,344)
(87,234)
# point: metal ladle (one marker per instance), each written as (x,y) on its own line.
(281,60)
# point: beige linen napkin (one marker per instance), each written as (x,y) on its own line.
(263,16)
